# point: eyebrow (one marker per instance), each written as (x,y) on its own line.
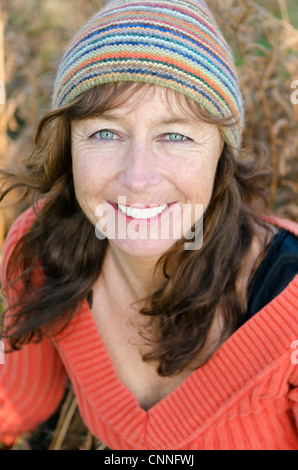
(176,120)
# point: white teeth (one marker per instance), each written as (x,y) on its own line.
(142,213)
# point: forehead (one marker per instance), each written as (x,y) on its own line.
(153,103)
(124,98)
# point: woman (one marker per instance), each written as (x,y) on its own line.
(170,341)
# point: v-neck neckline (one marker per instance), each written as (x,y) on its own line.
(245,356)
(248,352)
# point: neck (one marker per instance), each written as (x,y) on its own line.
(136,276)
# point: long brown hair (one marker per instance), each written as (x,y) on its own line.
(60,245)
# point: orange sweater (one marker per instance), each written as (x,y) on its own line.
(245,397)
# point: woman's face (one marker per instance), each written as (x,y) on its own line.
(144,171)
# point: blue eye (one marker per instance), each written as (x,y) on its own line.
(176,137)
(105,134)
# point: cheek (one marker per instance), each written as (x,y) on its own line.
(90,181)
(90,175)
(197,181)
(206,185)
(84,178)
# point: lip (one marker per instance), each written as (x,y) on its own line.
(141,206)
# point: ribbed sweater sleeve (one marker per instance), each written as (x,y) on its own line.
(33,379)
(293,382)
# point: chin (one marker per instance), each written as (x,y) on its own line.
(143,248)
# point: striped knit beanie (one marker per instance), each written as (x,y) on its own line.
(171,43)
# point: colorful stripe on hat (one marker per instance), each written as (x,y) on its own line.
(175,44)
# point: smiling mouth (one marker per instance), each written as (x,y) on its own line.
(148,212)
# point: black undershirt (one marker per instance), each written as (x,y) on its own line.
(277,270)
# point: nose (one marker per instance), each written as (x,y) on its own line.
(140,170)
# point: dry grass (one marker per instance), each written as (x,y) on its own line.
(265,47)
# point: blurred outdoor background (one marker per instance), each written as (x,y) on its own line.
(264,37)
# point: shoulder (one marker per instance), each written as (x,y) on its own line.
(279,268)
(18,229)
(24,221)
(283,252)
(284,223)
